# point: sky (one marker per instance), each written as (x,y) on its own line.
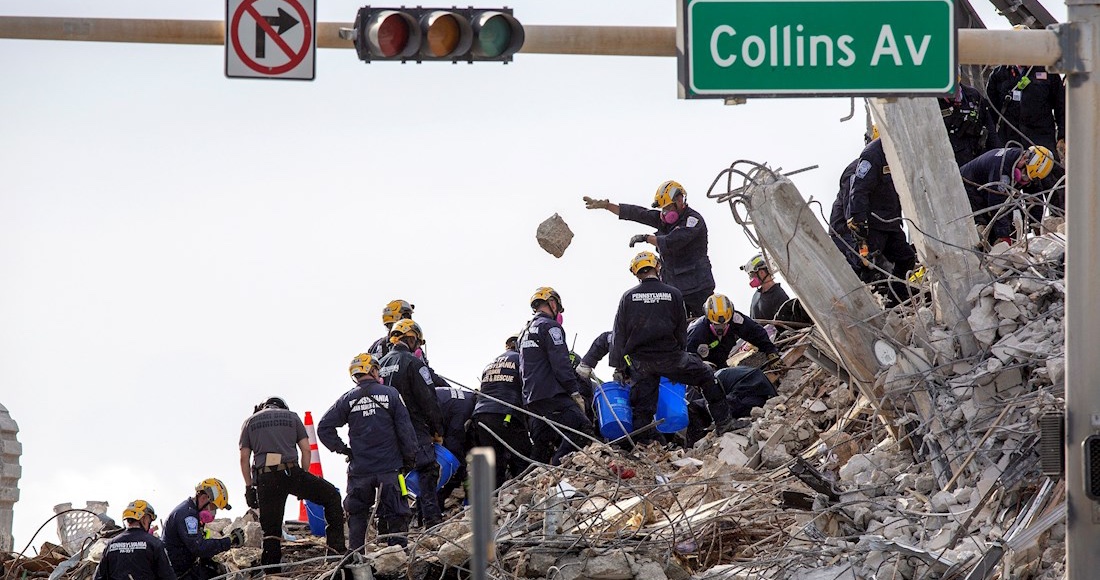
(177,246)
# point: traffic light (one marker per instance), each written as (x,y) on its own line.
(438,34)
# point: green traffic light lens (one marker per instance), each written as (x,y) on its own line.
(496,35)
(393,35)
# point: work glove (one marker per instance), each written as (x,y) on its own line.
(252,497)
(703,350)
(595,203)
(236,538)
(618,377)
(638,239)
(579,400)
(773,360)
(408,466)
(346,452)
(859,228)
(584,371)
(713,367)
(437,439)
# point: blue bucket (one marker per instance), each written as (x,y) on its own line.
(448,465)
(671,406)
(316,515)
(613,409)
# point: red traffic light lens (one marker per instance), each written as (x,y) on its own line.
(393,35)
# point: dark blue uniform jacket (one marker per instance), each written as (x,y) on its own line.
(741,327)
(457,406)
(1041,111)
(501,380)
(651,322)
(183,538)
(401,370)
(544,361)
(969,124)
(872,198)
(599,349)
(682,246)
(992,168)
(134,555)
(380,431)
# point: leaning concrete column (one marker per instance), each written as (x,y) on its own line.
(933,198)
(10,450)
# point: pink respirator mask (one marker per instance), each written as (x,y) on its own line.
(670,217)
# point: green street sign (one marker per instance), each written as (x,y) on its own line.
(729,48)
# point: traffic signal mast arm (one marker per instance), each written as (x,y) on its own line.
(1023,47)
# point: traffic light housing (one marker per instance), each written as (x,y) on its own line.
(436,34)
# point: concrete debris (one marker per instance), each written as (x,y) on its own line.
(554,235)
(816,487)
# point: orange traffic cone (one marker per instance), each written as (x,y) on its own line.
(314,461)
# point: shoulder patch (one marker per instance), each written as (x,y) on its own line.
(192,524)
(426,375)
(557,335)
(692,221)
(1040,76)
(862,169)
(737,318)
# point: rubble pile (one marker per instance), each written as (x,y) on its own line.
(820,485)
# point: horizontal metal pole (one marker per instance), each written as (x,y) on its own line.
(1023,47)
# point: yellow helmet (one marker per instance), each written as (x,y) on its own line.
(215,490)
(666,193)
(406,327)
(1039,162)
(544,294)
(642,261)
(757,263)
(362,364)
(719,309)
(396,310)
(138,509)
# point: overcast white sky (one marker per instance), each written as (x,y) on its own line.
(177,246)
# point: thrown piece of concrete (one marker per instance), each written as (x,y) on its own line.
(554,235)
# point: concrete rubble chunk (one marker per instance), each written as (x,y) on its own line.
(554,235)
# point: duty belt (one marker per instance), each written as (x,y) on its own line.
(279,467)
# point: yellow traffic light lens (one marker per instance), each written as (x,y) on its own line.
(393,35)
(495,36)
(443,35)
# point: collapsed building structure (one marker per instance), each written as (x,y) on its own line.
(904,443)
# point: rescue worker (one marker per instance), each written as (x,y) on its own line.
(969,124)
(714,336)
(272,440)
(874,217)
(551,388)
(498,421)
(135,554)
(745,388)
(769,295)
(650,336)
(190,551)
(381,444)
(991,179)
(843,237)
(1030,105)
(393,311)
(1030,109)
(596,351)
(402,370)
(457,408)
(680,240)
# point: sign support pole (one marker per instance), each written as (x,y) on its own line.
(1081,50)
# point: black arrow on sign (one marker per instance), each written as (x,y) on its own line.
(282,23)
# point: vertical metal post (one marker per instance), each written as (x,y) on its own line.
(482,462)
(1080,40)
